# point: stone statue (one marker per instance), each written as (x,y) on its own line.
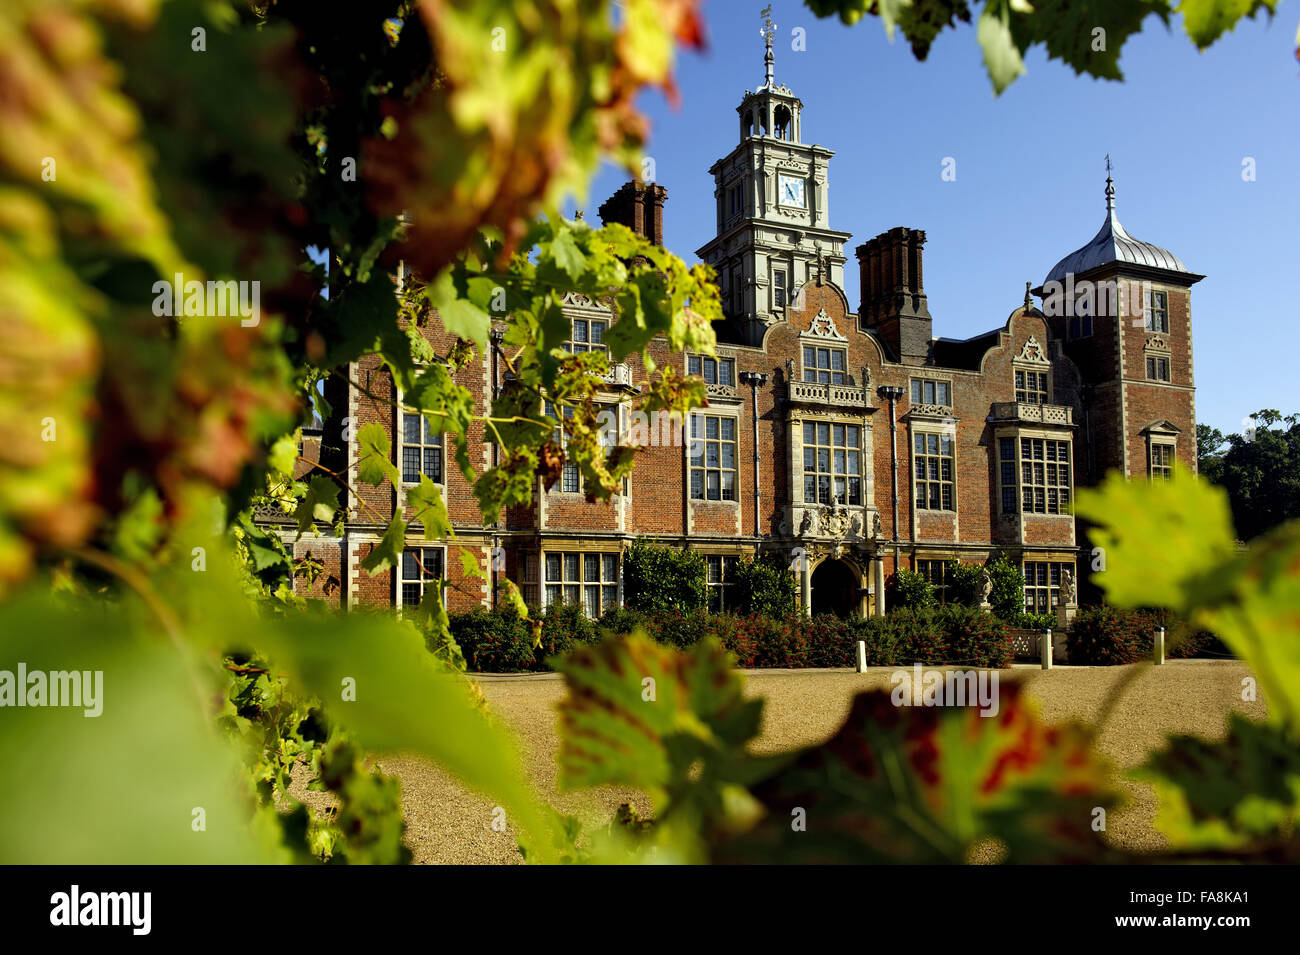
(809,522)
(877,528)
(986,586)
(1069,590)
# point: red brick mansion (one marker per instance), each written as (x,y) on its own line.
(851,441)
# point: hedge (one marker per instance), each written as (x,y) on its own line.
(499,642)
(1109,636)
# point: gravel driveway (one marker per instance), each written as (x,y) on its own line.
(448,824)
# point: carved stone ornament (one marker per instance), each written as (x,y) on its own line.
(1033,353)
(823,326)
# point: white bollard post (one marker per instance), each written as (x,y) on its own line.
(1160,645)
(862,656)
(1045,648)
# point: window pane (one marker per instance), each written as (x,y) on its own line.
(809,433)
(729,429)
(693,365)
(411,428)
(571,567)
(610,567)
(591,567)
(552,566)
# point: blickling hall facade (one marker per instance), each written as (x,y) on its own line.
(851,443)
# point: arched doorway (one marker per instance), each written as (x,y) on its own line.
(834,588)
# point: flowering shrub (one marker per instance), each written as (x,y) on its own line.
(1109,636)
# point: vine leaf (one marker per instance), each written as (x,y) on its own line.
(388,552)
(925,784)
(374,455)
(428,509)
(673,724)
(1226,794)
(319,502)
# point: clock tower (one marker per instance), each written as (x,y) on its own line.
(773,223)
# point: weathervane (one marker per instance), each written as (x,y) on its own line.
(768,32)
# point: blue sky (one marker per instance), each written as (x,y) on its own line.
(1030,170)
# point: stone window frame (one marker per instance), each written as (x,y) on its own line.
(400,579)
(1156,353)
(780,288)
(688,443)
(930,561)
(801,465)
(830,346)
(528,575)
(399,446)
(923,380)
(1155,319)
(587,345)
(949,483)
(1042,391)
(1047,589)
(1164,435)
(1064,490)
(724,582)
(580,581)
(719,362)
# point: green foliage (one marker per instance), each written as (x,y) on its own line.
(963,582)
(1007,29)
(1007,597)
(1259,469)
(673,725)
(1227,794)
(764,585)
(907,590)
(660,580)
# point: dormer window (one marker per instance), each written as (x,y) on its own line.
(714,371)
(927,392)
(1031,387)
(588,335)
(824,365)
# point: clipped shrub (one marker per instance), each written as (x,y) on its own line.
(830,641)
(621,621)
(659,580)
(1108,636)
(921,637)
(884,648)
(764,585)
(1034,621)
(964,582)
(974,637)
(564,626)
(908,590)
(1007,596)
(494,641)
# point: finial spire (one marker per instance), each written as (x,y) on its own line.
(1029,303)
(768,32)
(1110,187)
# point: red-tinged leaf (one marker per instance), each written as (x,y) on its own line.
(923,784)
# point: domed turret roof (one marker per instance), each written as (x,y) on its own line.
(1113,244)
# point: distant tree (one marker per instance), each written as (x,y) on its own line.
(1261,472)
(1209,453)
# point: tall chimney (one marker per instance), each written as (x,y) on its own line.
(639,206)
(893,293)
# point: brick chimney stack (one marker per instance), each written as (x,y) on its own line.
(639,206)
(893,293)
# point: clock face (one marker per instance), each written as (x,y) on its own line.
(790,191)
